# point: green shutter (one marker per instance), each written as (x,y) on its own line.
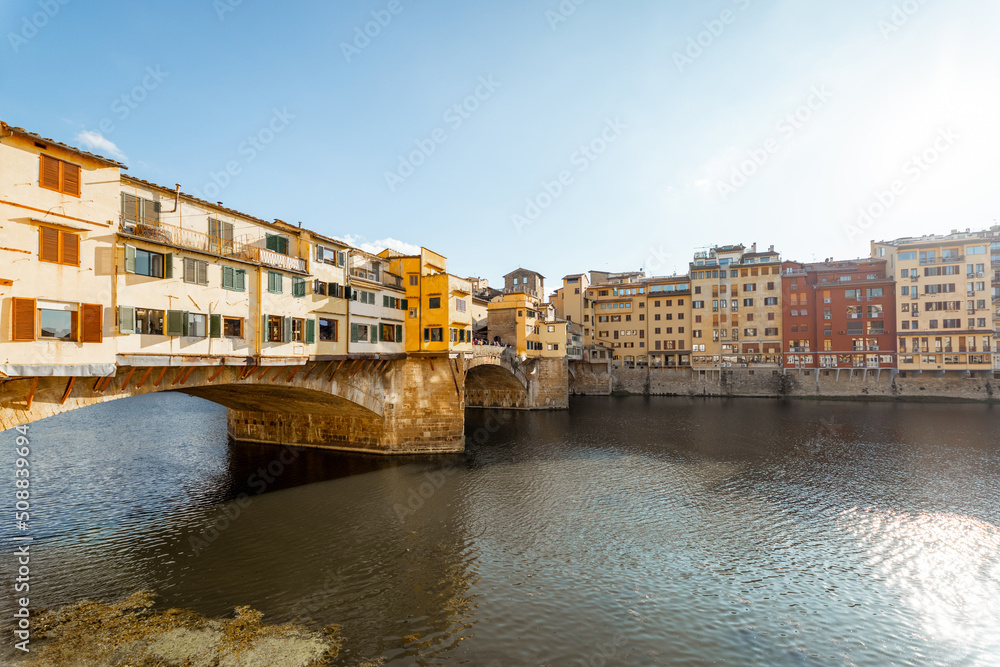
(168,265)
(286,329)
(270,243)
(202,273)
(174,325)
(374,334)
(126,319)
(263,326)
(347,292)
(354,333)
(404,304)
(399,333)
(227,277)
(185,321)
(310,331)
(239,280)
(215,326)
(129,258)
(385,301)
(283,245)
(298,286)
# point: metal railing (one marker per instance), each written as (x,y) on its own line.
(188,238)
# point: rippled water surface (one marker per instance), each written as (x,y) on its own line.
(631,531)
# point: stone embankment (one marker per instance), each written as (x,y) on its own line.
(592,379)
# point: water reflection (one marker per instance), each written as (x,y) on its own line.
(627,530)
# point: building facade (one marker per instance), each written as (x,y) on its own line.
(945,300)
(736,308)
(838,315)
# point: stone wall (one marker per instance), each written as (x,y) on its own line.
(548,384)
(590,378)
(825,384)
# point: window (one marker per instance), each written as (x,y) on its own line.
(57,321)
(275,243)
(771,300)
(140,210)
(298,286)
(298,330)
(364,333)
(195,271)
(59,247)
(59,175)
(433,334)
(147,321)
(771,332)
(220,236)
(414,280)
(195,325)
(434,302)
(413,313)
(328,329)
(234,279)
(275,328)
(274,282)
(145,263)
(232,327)
(392,333)
(907,256)
(460,305)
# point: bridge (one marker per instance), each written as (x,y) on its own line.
(403,404)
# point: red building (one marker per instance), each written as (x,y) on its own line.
(838,314)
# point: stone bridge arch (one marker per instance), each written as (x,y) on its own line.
(497,377)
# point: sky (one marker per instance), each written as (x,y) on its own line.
(559,136)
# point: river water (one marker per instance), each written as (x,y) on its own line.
(626,531)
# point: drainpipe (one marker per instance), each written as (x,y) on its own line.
(177,198)
(258,310)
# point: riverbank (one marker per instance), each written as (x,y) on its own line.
(129,632)
(850,384)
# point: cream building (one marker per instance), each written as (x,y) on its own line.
(378,306)
(58,215)
(947,296)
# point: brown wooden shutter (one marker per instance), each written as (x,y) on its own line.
(49,173)
(92,316)
(23,316)
(70,248)
(48,244)
(74,333)
(70,179)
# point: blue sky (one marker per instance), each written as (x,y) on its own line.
(596,135)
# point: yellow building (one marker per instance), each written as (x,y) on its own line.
(619,315)
(668,321)
(574,304)
(736,307)
(59,214)
(439,313)
(515,321)
(947,290)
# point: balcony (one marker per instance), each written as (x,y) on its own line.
(179,237)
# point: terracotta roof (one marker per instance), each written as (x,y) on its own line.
(73,149)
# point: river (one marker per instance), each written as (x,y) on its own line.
(625,531)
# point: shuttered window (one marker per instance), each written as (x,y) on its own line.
(195,271)
(274,282)
(59,175)
(310,331)
(126,319)
(298,286)
(23,316)
(234,279)
(91,317)
(215,326)
(221,234)
(58,246)
(278,244)
(139,209)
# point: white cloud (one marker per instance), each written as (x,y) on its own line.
(378,245)
(98,142)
